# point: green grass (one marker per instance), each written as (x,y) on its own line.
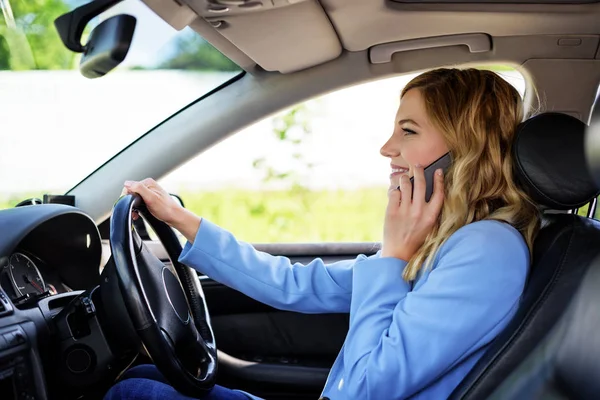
(295,215)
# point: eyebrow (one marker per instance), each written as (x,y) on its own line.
(403,121)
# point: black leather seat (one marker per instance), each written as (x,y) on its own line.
(538,354)
(566,363)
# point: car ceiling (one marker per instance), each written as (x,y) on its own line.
(289,35)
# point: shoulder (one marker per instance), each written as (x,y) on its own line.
(496,245)
(487,235)
(485,259)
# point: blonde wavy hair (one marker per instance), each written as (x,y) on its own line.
(478,112)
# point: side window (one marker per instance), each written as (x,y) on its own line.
(590,210)
(312,173)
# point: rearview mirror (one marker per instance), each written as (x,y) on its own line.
(108,43)
(107,46)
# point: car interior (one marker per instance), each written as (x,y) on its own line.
(118,295)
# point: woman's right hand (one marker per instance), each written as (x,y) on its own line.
(158,201)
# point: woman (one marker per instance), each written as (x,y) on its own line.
(450,272)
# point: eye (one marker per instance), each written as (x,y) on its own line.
(409,131)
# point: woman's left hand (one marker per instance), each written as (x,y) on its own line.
(408,222)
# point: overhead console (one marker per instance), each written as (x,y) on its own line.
(278,35)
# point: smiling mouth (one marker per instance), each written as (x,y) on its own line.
(398,171)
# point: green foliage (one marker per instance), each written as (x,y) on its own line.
(34,43)
(15,198)
(4,51)
(282,216)
(194,53)
(291,129)
(584,210)
(498,68)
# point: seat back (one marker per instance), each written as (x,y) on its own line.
(566,363)
(550,166)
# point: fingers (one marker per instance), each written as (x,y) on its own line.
(149,183)
(419,185)
(146,188)
(139,188)
(394,198)
(406,189)
(437,198)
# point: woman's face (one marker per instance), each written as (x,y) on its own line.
(414,140)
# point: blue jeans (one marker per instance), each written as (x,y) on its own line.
(145,382)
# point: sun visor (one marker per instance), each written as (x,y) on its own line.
(279,35)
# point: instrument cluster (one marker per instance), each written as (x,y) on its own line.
(24,276)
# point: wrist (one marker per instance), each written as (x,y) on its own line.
(179,215)
(186,222)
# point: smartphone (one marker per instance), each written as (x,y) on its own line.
(444,163)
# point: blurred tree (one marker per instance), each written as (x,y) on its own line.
(4,51)
(34,43)
(291,128)
(194,53)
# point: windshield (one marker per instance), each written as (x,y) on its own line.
(57,126)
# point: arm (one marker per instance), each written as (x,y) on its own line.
(311,288)
(400,341)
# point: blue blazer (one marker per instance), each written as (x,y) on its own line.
(405,340)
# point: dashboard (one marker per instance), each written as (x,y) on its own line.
(50,257)
(48,249)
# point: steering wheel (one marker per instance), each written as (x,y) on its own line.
(166,303)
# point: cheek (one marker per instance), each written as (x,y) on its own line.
(414,154)
(423,153)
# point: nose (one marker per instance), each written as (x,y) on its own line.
(390,149)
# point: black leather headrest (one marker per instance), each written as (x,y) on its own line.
(550,162)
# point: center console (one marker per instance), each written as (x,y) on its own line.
(20,371)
